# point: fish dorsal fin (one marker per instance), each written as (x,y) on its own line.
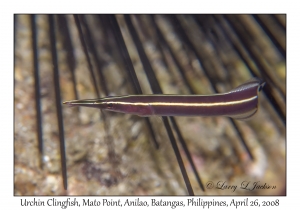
(249,84)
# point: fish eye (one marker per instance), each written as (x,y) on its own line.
(109,105)
(261,87)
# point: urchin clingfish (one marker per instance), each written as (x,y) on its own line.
(239,103)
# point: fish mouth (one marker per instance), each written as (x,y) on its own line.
(94,103)
(71,103)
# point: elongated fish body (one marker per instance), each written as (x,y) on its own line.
(239,103)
